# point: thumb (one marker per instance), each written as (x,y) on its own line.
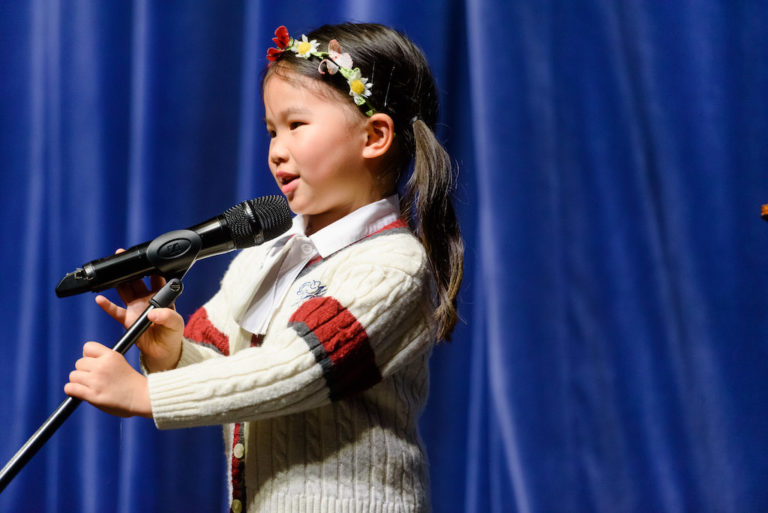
(94,349)
(167,318)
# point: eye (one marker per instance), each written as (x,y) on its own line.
(296,124)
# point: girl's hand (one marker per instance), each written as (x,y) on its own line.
(161,343)
(105,379)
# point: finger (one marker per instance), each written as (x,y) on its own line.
(138,287)
(77,390)
(94,349)
(131,290)
(156,282)
(78,377)
(167,318)
(84,364)
(114,311)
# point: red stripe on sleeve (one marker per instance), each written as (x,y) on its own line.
(347,358)
(200,329)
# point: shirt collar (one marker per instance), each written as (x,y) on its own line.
(351,228)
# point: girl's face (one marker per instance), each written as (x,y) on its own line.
(316,150)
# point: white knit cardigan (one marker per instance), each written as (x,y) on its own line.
(320,414)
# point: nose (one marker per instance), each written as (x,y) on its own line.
(278,152)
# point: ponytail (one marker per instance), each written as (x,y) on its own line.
(434,221)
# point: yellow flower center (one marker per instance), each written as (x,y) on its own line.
(304,47)
(357,86)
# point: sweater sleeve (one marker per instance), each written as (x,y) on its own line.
(374,317)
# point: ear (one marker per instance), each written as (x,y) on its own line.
(380,132)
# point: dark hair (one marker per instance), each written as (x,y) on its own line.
(405,90)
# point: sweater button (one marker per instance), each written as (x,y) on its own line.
(237,506)
(239,451)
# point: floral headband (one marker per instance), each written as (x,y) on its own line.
(333,61)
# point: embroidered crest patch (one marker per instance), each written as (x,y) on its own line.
(310,289)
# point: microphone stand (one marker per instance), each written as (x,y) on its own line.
(172,254)
(164,298)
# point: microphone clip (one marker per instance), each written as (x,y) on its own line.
(173,253)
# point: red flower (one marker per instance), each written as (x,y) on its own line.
(273,53)
(282,40)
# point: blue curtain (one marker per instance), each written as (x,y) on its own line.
(614,345)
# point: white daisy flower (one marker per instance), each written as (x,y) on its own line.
(304,48)
(359,87)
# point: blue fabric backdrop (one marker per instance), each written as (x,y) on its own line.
(613,162)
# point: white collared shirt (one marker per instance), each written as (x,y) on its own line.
(281,267)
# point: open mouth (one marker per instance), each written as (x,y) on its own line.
(285,178)
(287,182)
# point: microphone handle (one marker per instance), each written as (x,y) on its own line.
(137,262)
(129,265)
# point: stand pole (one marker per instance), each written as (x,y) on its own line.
(162,299)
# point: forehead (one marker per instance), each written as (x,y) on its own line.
(286,89)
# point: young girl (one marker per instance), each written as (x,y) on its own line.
(313,353)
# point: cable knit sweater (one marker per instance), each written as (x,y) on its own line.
(320,414)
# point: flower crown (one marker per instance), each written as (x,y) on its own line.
(333,61)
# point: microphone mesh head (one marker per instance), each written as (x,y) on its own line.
(273,214)
(255,221)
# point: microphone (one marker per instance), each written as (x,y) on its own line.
(247,224)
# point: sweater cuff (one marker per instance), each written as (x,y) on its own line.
(166,388)
(170,399)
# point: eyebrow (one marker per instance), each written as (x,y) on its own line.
(291,111)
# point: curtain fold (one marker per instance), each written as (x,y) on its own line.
(613,345)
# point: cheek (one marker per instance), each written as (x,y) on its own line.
(327,156)
(311,155)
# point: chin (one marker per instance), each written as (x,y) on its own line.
(297,206)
